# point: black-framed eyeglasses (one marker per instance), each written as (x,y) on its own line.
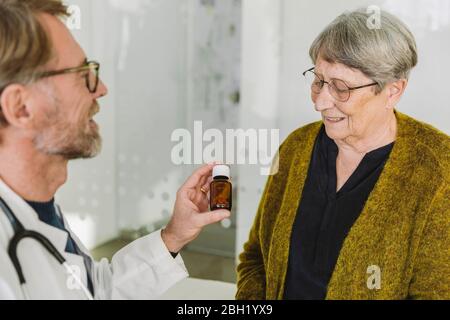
(337,88)
(92,76)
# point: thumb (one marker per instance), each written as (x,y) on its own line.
(211,217)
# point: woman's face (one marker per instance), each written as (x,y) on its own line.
(360,115)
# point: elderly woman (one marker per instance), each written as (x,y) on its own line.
(359,208)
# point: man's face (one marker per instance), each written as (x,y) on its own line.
(65,126)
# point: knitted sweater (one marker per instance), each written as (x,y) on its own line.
(402,236)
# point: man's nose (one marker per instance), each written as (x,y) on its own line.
(102,90)
(324,100)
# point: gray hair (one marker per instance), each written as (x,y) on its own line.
(385,54)
(25,47)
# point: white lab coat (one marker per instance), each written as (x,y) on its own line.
(142,270)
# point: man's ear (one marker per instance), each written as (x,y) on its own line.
(12,101)
(395,91)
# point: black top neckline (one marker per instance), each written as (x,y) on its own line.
(368,165)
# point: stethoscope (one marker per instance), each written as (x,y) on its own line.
(21,233)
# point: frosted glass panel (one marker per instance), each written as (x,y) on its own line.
(166,64)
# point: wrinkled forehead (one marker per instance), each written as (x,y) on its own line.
(66,52)
(334,70)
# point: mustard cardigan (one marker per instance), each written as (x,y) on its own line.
(403,229)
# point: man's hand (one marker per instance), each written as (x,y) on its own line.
(190,216)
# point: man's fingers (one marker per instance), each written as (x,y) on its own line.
(207,184)
(211,217)
(201,183)
(197,176)
(209,180)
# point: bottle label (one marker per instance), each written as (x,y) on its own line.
(220,195)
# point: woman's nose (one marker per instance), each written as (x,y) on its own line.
(323,100)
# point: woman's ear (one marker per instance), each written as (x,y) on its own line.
(395,91)
(12,101)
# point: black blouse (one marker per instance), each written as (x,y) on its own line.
(324,217)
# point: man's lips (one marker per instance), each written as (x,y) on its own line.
(94,111)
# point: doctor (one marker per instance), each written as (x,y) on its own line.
(48,97)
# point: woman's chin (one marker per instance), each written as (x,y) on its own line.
(335,133)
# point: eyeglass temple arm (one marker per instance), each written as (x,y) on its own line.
(367,85)
(71,70)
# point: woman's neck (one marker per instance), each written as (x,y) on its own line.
(378,137)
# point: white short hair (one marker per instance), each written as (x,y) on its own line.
(384,54)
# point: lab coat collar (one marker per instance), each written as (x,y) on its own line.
(30,220)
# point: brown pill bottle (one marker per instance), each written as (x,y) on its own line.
(220,189)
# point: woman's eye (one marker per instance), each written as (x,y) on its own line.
(339,87)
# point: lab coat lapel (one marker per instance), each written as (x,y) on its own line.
(29,218)
(75,260)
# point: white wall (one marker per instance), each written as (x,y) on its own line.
(260,108)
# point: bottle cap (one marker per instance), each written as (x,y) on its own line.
(221,170)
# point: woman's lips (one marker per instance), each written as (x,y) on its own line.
(333,119)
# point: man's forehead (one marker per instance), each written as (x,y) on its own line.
(66,50)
